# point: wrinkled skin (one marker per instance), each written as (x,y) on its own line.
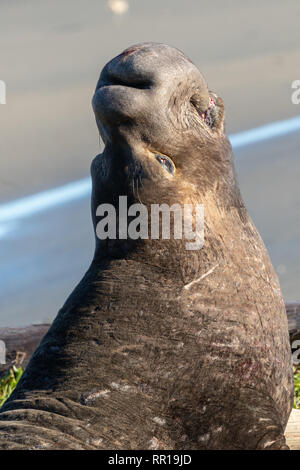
(140,356)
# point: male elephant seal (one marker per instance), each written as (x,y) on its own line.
(161,347)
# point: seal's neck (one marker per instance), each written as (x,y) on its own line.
(128,195)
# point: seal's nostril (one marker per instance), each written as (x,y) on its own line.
(113,80)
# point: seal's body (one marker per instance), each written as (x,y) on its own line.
(160,347)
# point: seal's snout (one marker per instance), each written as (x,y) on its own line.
(130,69)
(122,89)
(150,87)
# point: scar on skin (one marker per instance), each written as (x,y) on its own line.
(268,443)
(93,396)
(203,438)
(129,347)
(95,442)
(154,443)
(122,387)
(159,421)
(219,429)
(190,284)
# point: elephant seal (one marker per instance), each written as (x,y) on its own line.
(161,347)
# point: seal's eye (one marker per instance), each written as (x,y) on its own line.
(166,163)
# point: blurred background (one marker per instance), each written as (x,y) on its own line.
(51,54)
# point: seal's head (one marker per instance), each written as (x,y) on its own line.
(153,94)
(162,127)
